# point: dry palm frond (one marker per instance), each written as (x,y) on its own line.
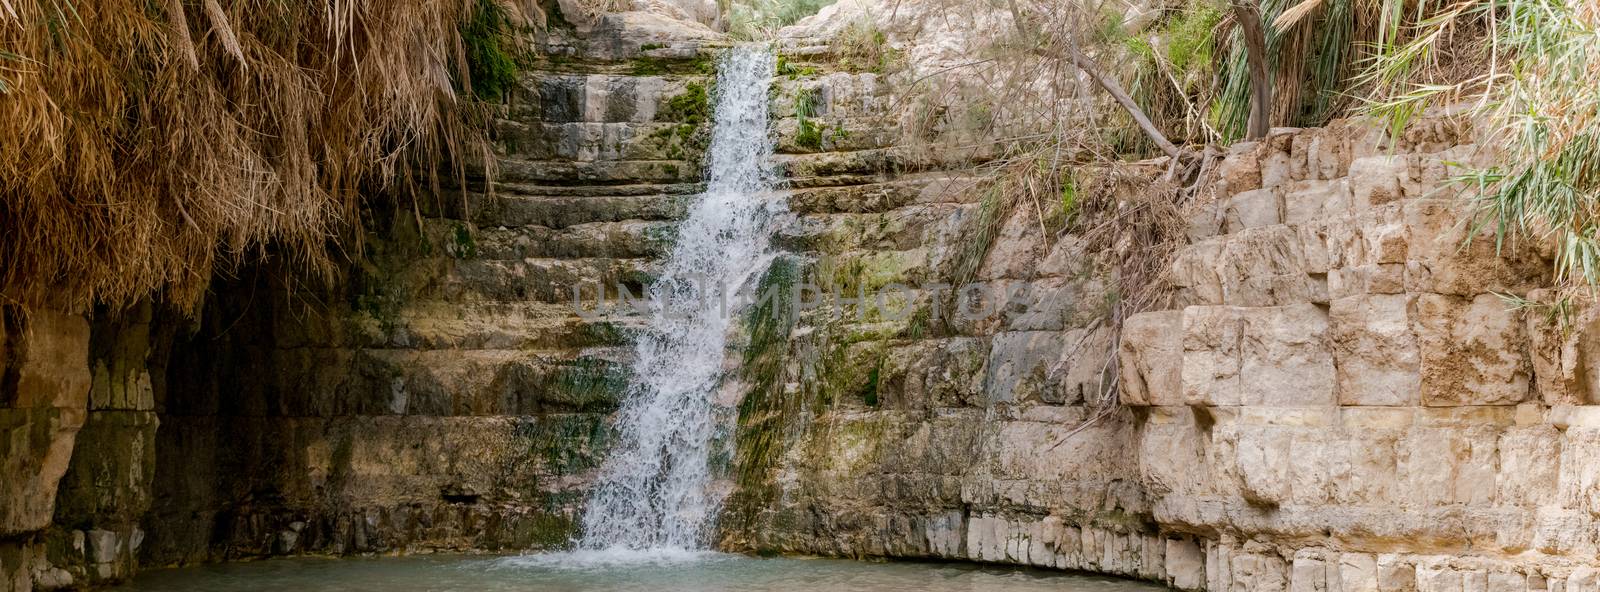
(138,152)
(178,28)
(219,24)
(1295,14)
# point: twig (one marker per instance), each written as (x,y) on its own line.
(1110,85)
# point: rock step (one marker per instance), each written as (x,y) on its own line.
(535,280)
(369,381)
(825,134)
(904,228)
(618,96)
(505,187)
(606,142)
(832,164)
(625,239)
(435,325)
(514,169)
(858,194)
(833,94)
(558,211)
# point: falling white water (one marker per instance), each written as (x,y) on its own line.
(655,489)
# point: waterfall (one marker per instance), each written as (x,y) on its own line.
(655,489)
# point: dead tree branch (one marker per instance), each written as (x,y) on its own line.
(1083,62)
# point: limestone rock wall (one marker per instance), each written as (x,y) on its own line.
(914,429)
(1340,398)
(1348,400)
(44,389)
(96,534)
(448,397)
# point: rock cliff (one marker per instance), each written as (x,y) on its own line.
(1338,398)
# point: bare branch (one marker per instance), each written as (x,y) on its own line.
(1110,85)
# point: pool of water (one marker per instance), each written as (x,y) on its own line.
(594,571)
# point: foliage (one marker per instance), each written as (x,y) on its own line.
(1540,98)
(692,106)
(1171,80)
(487,35)
(145,144)
(704,65)
(787,67)
(758,19)
(863,47)
(808,135)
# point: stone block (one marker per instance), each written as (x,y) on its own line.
(943,533)
(1377,180)
(1358,572)
(1578,485)
(1212,354)
(1079,373)
(1219,565)
(1529,465)
(1473,351)
(1427,460)
(104,546)
(1240,170)
(1439,257)
(1474,580)
(1252,209)
(1258,356)
(1566,356)
(1151,358)
(1206,220)
(113,467)
(1385,238)
(1395,574)
(1307,201)
(1500,581)
(1253,572)
(1322,152)
(1583,579)
(1438,579)
(1329,244)
(1172,455)
(1286,359)
(1375,353)
(1367,279)
(1019,362)
(1185,565)
(1308,573)
(1277,164)
(1194,268)
(1363,467)
(1311,474)
(1262,464)
(1265,267)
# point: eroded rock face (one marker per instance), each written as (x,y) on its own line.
(1420,442)
(1339,400)
(952,427)
(44,397)
(451,397)
(447,397)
